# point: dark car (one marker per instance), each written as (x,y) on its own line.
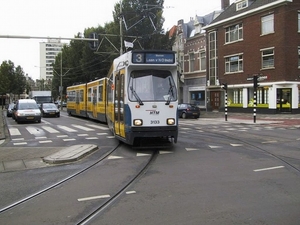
(186,110)
(49,109)
(9,109)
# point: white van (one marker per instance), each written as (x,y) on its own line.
(27,110)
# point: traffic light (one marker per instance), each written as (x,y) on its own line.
(93,44)
(255,82)
(224,86)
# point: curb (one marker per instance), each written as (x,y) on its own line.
(70,154)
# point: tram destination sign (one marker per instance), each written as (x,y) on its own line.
(153,58)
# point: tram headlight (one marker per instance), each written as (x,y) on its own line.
(170,121)
(137,122)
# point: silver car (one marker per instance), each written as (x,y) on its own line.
(27,110)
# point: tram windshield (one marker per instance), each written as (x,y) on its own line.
(152,85)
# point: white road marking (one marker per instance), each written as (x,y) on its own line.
(130,192)
(71,139)
(192,149)
(266,142)
(60,136)
(34,130)
(14,131)
(164,152)
(67,128)
(115,157)
(48,141)
(50,129)
(142,154)
(102,133)
(40,137)
(270,168)
(82,127)
(82,135)
(236,145)
(213,146)
(93,198)
(21,143)
(98,127)
(18,139)
(91,138)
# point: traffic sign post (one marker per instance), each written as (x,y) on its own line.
(225,86)
(256,78)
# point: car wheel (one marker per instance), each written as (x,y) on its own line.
(183,116)
(39,120)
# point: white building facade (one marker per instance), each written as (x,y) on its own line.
(48,51)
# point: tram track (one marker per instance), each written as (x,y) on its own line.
(255,137)
(34,195)
(83,216)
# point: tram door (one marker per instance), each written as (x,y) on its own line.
(94,102)
(284,99)
(119,104)
(78,97)
(215,100)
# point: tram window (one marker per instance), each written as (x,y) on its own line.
(100,90)
(152,85)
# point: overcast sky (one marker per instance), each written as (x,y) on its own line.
(65,18)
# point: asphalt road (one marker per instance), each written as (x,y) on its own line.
(217,173)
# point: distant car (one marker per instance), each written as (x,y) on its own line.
(9,109)
(26,110)
(186,110)
(49,109)
(64,104)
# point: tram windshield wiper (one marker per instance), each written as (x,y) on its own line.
(136,96)
(170,92)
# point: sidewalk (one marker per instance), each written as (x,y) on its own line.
(18,158)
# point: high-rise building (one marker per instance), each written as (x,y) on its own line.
(48,51)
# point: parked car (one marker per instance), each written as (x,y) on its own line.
(49,109)
(9,109)
(186,110)
(26,110)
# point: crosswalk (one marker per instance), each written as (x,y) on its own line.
(49,134)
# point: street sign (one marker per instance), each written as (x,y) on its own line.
(262,78)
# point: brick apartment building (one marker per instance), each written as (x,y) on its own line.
(254,38)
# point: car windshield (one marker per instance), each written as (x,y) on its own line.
(28,105)
(152,85)
(49,106)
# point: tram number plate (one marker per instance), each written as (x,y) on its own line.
(154,121)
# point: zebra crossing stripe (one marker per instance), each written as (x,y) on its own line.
(50,129)
(66,128)
(98,127)
(14,131)
(82,127)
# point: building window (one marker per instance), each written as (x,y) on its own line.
(202,61)
(298,21)
(267,24)
(262,96)
(238,96)
(234,64)
(234,33)
(192,62)
(241,5)
(298,57)
(213,58)
(267,56)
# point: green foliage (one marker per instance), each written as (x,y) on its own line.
(12,78)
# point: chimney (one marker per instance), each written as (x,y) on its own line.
(224,4)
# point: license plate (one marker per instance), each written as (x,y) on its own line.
(51,113)
(30,118)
